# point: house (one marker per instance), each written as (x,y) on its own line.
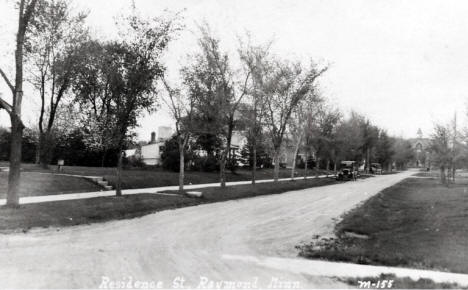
(420,146)
(238,141)
(132,153)
(150,153)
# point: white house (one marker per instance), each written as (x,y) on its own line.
(151,152)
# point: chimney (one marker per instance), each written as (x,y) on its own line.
(153,138)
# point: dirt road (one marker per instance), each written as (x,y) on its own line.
(192,244)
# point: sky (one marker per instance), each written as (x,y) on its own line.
(403,64)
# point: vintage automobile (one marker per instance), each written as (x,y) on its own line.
(376,168)
(347,170)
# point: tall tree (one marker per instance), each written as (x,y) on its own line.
(125,78)
(301,127)
(287,85)
(26,12)
(384,150)
(370,135)
(458,147)
(93,95)
(217,93)
(181,106)
(296,130)
(441,150)
(350,138)
(322,134)
(53,57)
(254,58)
(404,153)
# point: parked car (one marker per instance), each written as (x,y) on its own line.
(348,170)
(376,168)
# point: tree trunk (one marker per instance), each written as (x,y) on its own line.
(296,150)
(222,164)
(277,166)
(15,114)
(41,149)
(103,159)
(38,153)
(254,145)
(45,145)
(317,167)
(305,166)
(442,175)
(222,170)
(367,160)
(328,166)
(181,167)
(15,162)
(118,185)
(293,166)
(254,164)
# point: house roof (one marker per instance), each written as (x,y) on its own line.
(130,152)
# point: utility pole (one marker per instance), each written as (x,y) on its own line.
(454,141)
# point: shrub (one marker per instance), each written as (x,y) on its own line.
(170,156)
(206,163)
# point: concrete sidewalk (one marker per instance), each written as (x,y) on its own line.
(153,190)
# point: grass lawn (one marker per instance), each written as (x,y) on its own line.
(214,194)
(141,178)
(416,223)
(84,211)
(36,183)
(154,178)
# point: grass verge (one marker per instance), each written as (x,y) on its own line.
(37,183)
(140,178)
(101,209)
(214,194)
(416,223)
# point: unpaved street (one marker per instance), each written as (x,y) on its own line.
(189,242)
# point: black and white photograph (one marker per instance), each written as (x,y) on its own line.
(233,144)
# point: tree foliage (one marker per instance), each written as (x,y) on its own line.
(116,88)
(52,52)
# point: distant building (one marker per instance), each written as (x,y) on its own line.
(238,141)
(288,149)
(150,152)
(420,146)
(134,153)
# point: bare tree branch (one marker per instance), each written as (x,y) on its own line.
(5,77)
(7,107)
